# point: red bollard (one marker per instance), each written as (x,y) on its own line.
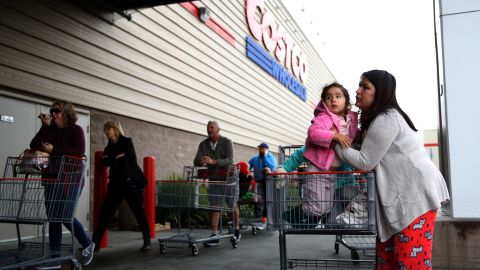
(99,193)
(149,195)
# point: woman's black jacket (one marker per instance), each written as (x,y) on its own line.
(123,170)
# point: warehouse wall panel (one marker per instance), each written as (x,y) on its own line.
(164,67)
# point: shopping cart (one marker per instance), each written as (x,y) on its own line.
(211,189)
(284,152)
(35,192)
(365,243)
(302,203)
(251,203)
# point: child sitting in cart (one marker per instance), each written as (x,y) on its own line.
(345,190)
(333,123)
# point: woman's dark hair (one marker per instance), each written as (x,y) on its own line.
(325,89)
(385,98)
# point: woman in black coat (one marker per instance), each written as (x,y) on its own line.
(126,181)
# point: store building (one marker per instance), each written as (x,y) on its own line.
(163,74)
(458,234)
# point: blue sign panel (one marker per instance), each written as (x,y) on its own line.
(258,55)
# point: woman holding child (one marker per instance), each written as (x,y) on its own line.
(410,189)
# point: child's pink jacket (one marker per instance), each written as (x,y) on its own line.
(320,134)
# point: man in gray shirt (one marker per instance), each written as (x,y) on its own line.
(217,151)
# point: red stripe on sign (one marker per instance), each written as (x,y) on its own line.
(211,23)
(431,145)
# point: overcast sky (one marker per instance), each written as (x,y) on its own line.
(353,36)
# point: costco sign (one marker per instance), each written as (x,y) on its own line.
(275,39)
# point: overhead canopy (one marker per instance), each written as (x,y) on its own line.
(135,4)
(126,7)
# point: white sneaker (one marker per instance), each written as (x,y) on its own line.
(320,225)
(260,225)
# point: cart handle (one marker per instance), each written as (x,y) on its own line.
(325,172)
(192,181)
(30,179)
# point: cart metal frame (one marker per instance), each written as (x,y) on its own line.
(38,191)
(355,243)
(293,211)
(210,189)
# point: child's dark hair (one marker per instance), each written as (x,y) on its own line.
(325,89)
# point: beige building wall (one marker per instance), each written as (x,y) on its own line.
(163,74)
(164,66)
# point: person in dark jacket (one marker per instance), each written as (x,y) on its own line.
(126,181)
(60,135)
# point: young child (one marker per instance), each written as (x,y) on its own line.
(333,123)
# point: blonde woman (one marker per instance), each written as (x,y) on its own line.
(126,181)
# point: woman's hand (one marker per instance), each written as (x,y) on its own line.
(46,119)
(47,147)
(343,140)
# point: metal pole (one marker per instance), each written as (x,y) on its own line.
(99,193)
(149,195)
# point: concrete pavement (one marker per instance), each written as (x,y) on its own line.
(260,251)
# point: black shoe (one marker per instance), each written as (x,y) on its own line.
(147,245)
(146,248)
(213,242)
(238,235)
(96,240)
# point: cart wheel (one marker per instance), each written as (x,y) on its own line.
(354,255)
(76,265)
(254,230)
(234,242)
(337,247)
(194,250)
(163,248)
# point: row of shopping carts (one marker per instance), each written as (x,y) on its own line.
(297,203)
(37,192)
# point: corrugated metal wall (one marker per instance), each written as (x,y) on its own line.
(164,66)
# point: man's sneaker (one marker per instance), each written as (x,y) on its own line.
(87,254)
(213,242)
(52,265)
(259,225)
(238,235)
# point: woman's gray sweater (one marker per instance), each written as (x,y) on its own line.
(408,183)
